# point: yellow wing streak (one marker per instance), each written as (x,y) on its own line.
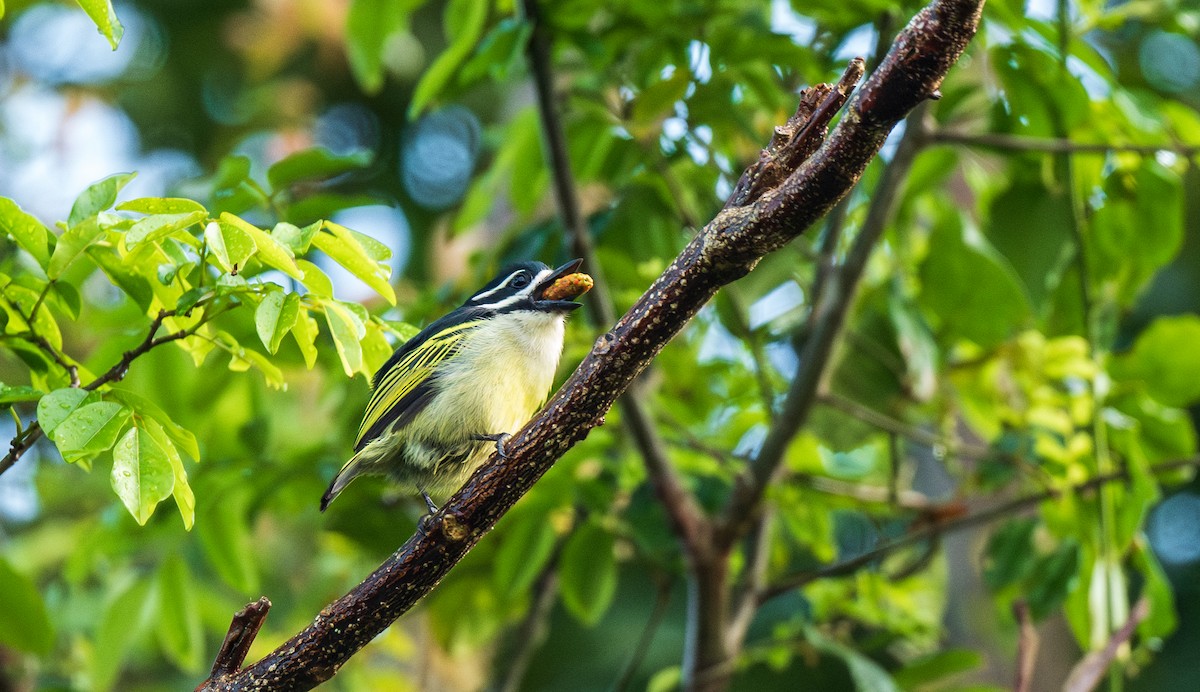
(413,369)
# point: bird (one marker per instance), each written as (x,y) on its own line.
(469,378)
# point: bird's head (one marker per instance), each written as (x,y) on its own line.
(524,287)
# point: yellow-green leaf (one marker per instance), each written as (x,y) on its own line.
(180,490)
(230,245)
(102,13)
(314,279)
(152,228)
(141,473)
(162,205)
(57,406)
(347,330)
(305,334)
(90,430)
(275,317)
(343,247)
(71,245)
(99,196)
(29,233)
(270,250)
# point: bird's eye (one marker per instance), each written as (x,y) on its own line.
(520,280)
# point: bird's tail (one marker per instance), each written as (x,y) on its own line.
(349,472)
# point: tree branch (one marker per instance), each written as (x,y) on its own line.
(964,521)
(242,631)
(821,332)
(764,218)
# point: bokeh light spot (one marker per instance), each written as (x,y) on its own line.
(438,156)
(1174,529)
(1170,62)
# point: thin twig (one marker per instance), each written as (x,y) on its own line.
(662,599)
(528,636)
(1005,142)
(1027,647)
(941,528)
(886,423)
(1086,674)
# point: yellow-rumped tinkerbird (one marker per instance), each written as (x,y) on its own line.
(469,378)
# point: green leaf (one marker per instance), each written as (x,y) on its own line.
(275,317)
(528,541)
(969,288)
(347,331)
(344,247)
(305,334)
(90,430)
(162,205)
(295,238)
(225,538)
(124,621)
(270,251)
(24,622)
(1139,228)
(71,245)
(180,490)
(11,394)
(314,279)
(146,408)
(657,101)
(867,675)
(500,54)
(369,25)
(931,668)
(465,20)
(588,573)
(180,632)
(57,406)
(152,228)
(1008,553)
(1031,226)
(133,284)
(315,164)
(141,474)
(231,245)
(101,194)
(1166,360)
(29,233)
(1157,589)
(1053,576)
(102,13)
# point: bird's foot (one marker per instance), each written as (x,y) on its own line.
(501,439)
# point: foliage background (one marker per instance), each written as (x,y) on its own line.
(974,356)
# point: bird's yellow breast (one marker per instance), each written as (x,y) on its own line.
(500,377)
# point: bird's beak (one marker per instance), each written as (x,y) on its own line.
(563,305)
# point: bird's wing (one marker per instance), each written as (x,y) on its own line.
(404,385)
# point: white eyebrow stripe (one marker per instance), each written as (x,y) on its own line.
(503,284)
(520,295)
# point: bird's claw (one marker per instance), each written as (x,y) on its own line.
(501,440)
